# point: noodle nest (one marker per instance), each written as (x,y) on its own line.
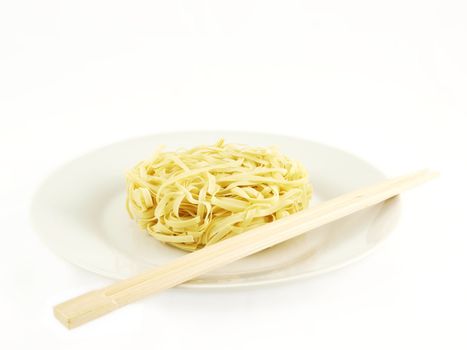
(197,197)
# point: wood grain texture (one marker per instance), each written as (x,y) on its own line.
(89,306)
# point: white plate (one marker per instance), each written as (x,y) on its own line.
(80,214)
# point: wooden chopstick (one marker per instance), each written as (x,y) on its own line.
(89,306)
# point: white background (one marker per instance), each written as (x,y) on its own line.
(386,80)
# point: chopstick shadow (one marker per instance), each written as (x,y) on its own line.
(325,288)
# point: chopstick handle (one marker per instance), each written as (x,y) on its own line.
(89,306)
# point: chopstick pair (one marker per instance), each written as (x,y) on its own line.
(89,306)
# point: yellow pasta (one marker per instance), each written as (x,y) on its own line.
(197,197)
